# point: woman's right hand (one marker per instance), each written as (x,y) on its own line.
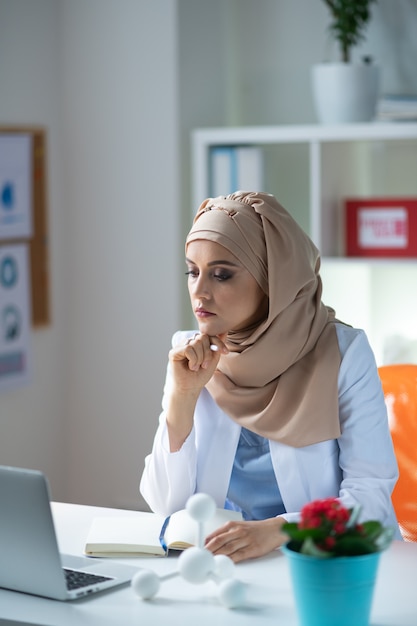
(192,366)
(194,363)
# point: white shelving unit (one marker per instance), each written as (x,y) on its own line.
(311,169)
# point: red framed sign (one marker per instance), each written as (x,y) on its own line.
(381,227)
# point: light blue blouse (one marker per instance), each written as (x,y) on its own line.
(253,488)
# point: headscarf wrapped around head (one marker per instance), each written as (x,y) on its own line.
(279,379)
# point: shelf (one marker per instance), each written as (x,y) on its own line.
(330,164)
(311,169)
(236,135)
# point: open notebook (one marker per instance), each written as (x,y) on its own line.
(149,534)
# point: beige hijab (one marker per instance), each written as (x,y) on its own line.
(280,379)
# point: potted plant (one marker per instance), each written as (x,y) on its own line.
(345,91)
(333,563)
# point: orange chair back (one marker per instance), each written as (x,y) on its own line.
(399,383)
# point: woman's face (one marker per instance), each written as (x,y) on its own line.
(224,295)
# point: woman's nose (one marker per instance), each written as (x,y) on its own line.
(200,287)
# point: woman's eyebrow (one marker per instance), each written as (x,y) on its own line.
(217,262)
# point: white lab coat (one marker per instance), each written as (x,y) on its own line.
(359,467)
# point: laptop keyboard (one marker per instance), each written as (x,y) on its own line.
(76,579)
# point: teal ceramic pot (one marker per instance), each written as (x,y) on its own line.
(333,592)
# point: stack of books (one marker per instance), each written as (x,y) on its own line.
(400,108)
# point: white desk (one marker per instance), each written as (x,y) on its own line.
(178,602)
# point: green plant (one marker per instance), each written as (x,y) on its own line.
(349,21)
(328,529)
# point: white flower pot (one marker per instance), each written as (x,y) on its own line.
(344,92)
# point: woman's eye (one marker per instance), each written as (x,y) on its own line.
(221,276)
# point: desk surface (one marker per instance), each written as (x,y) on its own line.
(270,599)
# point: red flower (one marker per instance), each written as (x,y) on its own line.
(327,528)
(329,513)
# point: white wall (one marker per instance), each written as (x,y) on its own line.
(102,77)
(119,84)
(120,115)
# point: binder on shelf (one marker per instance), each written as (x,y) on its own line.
(234,168)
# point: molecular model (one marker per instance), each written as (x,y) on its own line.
(196,564)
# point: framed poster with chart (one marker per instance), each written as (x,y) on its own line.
(24,148)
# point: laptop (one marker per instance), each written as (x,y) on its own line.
(30,561)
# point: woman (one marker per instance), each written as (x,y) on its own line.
(274,402)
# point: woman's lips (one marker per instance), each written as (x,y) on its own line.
(203,313)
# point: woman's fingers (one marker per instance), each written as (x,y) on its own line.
(246,540)
(201,350)
(198,353)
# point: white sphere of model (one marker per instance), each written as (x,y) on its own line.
(223,567)
(196,565)
(232,594)
(145,583)
(201,507)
